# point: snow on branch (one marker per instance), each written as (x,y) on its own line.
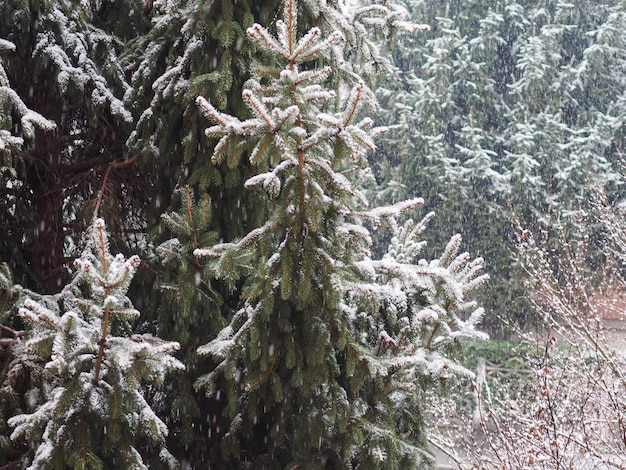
(29,119)
(305,52)
(171,83)
(427,305)
(6,45)
(389,214)
(95,367)
(270,181)
(263,38)
(70,50)
(387,16)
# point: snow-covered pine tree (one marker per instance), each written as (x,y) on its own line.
(322,364)
(194,49)
(410,321)
(87,404)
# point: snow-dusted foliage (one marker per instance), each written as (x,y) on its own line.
(504,95)
(190,73)
(67,38)
(89,408)
(202,49)
(256,235)
(67,43)
(11,102)
(427,305)
(410,320)
(503,104)
(330,349)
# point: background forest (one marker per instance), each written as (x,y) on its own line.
(229,233)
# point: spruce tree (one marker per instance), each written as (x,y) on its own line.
(194,49)
(322,364)
(89,375)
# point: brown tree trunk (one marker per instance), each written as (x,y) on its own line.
(44,174)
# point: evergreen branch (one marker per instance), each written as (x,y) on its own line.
(35,313)
(291,15)
(262,37)
(252,237)
(260,380)
(334,37)
(208,110)
(259,149)
(304,42)
(227,338)
(432,336)
(317,93)
(450,250)
(393,211)
(259,108)
(320,135)
(220,149)
(190,217)
(29,119)
(116,165)
(403,334)
(353,103)
(363,136)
